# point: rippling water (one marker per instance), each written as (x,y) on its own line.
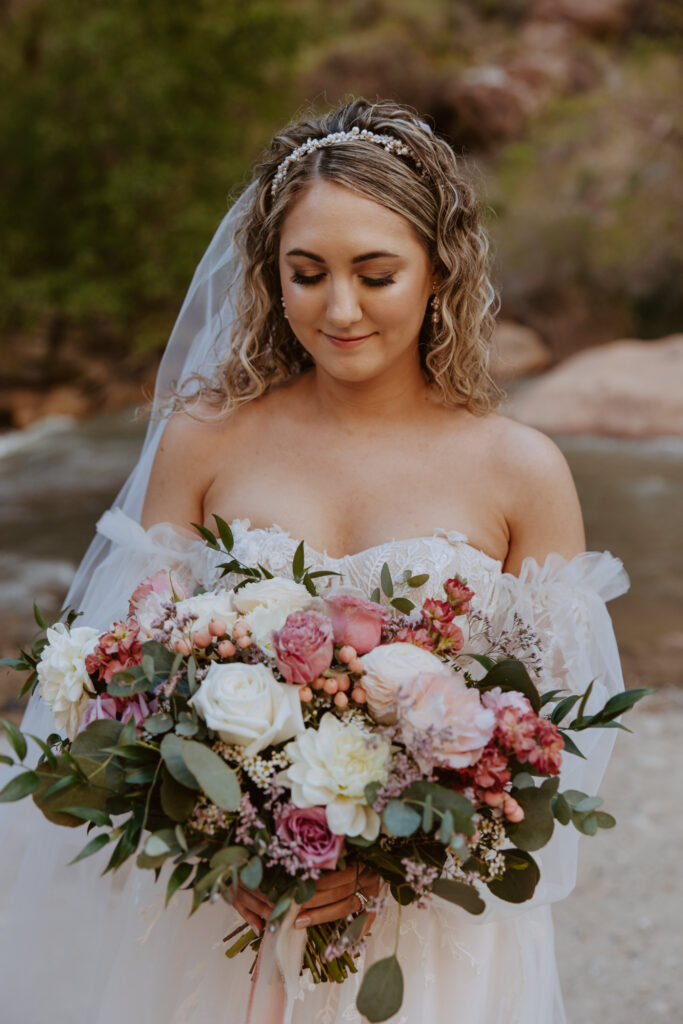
(58,478)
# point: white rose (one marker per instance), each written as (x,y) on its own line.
(208,606)
(247,706)
(388,668)
(62,676)
(285,593)
(263,621)
(331,766)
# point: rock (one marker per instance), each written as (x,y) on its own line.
(624,388)
(518,351)
(25,405)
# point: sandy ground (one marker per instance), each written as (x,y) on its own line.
(619,936)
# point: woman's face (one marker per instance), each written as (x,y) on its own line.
(356,282)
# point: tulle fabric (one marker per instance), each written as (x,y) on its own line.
(104,950)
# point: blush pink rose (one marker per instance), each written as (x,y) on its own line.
(355,621)
(304,647)
(151,594)
(498,699)
(306,829)
(460,725)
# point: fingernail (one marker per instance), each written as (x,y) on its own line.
(302,922)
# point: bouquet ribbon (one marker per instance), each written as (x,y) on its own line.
(275,980)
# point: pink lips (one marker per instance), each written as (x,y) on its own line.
(347,342)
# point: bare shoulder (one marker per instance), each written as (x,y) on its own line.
(541,505)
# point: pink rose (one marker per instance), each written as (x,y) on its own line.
(117,649)
(307,831)
(355,621)
(304,647)
(151,594)
(454,715)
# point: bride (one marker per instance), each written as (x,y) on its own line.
(330,382)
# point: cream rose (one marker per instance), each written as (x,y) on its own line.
(247,706)
(208,606)
(390,667)
(279,591)
(331,766)
(62,676)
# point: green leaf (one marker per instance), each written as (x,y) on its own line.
(466,896)
(561,809)
(520,879)
(229,856)
(19,787)
(589,803)
(18,664)
(48,754)
(386,580)
(427,814)
(483,659)
(605,820)
(550,697)
(95,738)
(570,746)
(65,782)
(375,596)
(511,674)
(586,823)
(225,533)
(281,907)
(179,876)
(208,536)
(522,780)
(148,666)
(298,564)
(445,830)
(582,705)
(252,873)
(399,819)
(305,890)
(158,723)
(97,817)
(186,727)
(564,707)
(52,799)
(172,753)
(381,992)
(157,845)
(177,801)
(16,738)
(92,847)
(419,580)
(180,838)
(6,759)
(213,775)
(624,701)
(537,826)
(39,618)
(402,604)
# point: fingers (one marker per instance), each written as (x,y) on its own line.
(331,904)
(253,906)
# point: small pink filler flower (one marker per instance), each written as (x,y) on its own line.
(304,647)
(307,831)
(355,621)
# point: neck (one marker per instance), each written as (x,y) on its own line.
(385,400)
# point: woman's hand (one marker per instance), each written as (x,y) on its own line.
(335,897)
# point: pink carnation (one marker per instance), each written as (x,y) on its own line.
(491,770)
(546,756)
(438,610)
(307,831)
(420,637)
(304,647)
(459,595)
(449,635)
(355,621)
(118,649)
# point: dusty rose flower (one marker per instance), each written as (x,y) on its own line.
(355,621)
(459,595)
(306,829)
(460,724)
(420,637)
(516,732)
(546,756)
(304,647)
(116,650)
(121,708)
(449,635)
(498,699)
(491,771)
(97,709)
(147,601)
(438,610)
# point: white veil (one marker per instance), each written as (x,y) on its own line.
(197,344)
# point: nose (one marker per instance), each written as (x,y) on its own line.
(343,307)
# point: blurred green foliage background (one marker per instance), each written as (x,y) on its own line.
(127,124)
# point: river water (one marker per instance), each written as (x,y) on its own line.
(57,477)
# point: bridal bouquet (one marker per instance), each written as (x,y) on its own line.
(265,735)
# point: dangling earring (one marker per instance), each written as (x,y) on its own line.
(284,308)
(436,309)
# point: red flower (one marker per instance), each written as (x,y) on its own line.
(440,611)
(419,637)
(516,732)
(459,595)
(118,649)
(546,756)
(449,635)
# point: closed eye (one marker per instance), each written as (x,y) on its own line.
(372,282)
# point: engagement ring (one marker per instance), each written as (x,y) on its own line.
(363,900)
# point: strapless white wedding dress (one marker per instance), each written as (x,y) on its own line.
(76,948)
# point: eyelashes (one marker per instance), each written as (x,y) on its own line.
(371,282)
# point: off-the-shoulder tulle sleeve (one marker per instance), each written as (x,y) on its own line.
(565,602)
(135,553)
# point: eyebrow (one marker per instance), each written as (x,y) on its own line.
(356,259)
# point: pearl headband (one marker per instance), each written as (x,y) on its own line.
(388,142)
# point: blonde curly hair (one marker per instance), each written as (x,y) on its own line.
(428,188)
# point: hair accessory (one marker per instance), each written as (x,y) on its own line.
(388,142)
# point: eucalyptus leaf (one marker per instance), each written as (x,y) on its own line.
(428,814)
(445,830)
(252,873)
(419,580)
(217,780)
(381,991)
(156,845)
(402,604)
(537,826)
(604,820)
(375,596)
(177,801)
(386,581)
(466,896)
(172,753)
(281,907)
(520,878)
(229,856)
(589,803)
(561,809)
(159,723)
(400,819)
